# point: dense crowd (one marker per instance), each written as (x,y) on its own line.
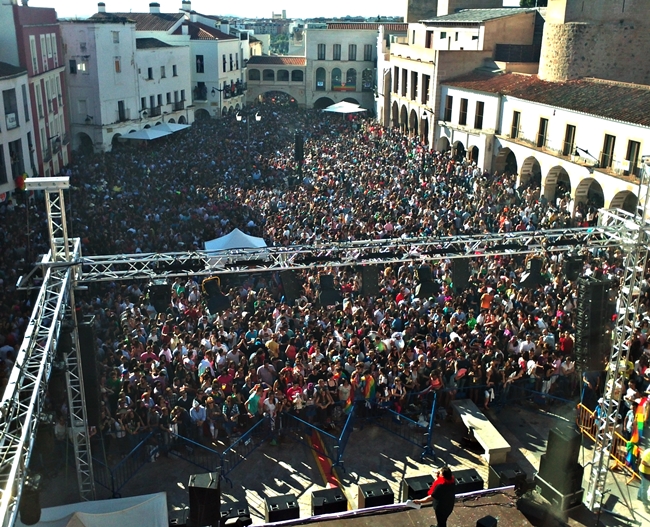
(181,369)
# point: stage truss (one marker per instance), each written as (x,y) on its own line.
(64,268)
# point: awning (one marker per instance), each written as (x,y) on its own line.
(171,127)
(344,107)
(147,134)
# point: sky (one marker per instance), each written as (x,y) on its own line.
(245,8)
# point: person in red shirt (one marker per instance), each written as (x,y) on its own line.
(442,494)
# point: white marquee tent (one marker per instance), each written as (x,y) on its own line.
(344,107)
(234,240)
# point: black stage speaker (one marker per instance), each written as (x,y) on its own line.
(593,319)
(30,505)
(205,500)
(565,479)
(327,282)
(504,474)
(572,266)
(159,293)
(328,295)
(291,286)
(487,521)
(88,351)
(280,508)
(416,488)
(370,280)
(460,273)
(426,287)
(235,514)
(328,501)
(559,500)
(533,277)
(468,480)
(563,446)
(178,517)
(375,494)
(299,153)
(214,298)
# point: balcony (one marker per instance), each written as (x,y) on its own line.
(65,138)
(235,90)
(178,105)
(200,93)
(155,111)
(47,155)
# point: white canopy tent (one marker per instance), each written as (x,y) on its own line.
(344,107)
(234,240)
(149,510)
(147,134)
(171,127)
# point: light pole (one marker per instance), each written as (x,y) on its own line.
(246,118)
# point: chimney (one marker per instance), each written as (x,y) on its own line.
(184,29)
(186,6)
(154,7)
(101,7)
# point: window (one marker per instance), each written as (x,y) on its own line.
(169,97)
(121,111)
(159,99)
(633,149)
(569,140)
(224,64)
(367,80)
(320,79)
(426,84)
(541,133)
(462,117)
(607,155)
(514,128)
(253,75)
(152,101)
(11,108)
(174,71)
(413,37)
(414,85)
(149,73)
(367,52)
(182,95)
(321,51)
(395,79)
(428,39)
(3,169)
(232,63)
(118,65)
(116,37)
(297,76)
(143,103)
(336,79)
(351,80)
(456,36)
(283,76)
(83,67)
(55,51)
(176,96)
(199,64)
(237,61)
(48,46)
(73,66)
(163,74)
(449,105)
(443,34)
(39,99)
(25,102)
(336,52)
(478,120)
(43,53)
(405,74)
(352,52)
(32,51)
(268,75)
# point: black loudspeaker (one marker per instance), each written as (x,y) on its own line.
(423,274)
(559,500)
(299,153)
(487,521)
(291,286)
(563,446)
(533,275)
(159,295)
(468,480)
(327,282)
(205,500)
(370,280)
(416,488)
(280,508)
(30,506)
(88,351)
(504,474)
(235,514)
(593,318)
(328,501)
(178,517)
(215,299)
(375,495)
(565,479)
(328,295)
(460,273)
(572,266)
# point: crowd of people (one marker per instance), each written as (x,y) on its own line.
(179,369)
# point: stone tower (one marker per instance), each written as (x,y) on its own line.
(417,10)
(607,39)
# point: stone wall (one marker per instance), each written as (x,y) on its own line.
(615,51)
(417,10)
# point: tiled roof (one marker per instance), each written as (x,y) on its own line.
(9,70)
(613,100)
(200,31)
(278,60)
(146,21)
(150,43)
(476,16)
(364,26)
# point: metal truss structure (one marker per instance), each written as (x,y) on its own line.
(64,267)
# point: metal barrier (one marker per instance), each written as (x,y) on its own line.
(113,479)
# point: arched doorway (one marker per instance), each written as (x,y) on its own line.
(395,114)
(224,111)
(323,102)
(171,120)
(557,184)
(413,123)
(268,75)
(403,119)
(116,140)
(237,108)
(336,79)
(201,114)
(506,161)
(590,193)
(182,120)
(443,144)
(458,150)
(320,79)
(146,126)
(351,100)
(84,143)
(424,126)
(472,154)
(531,173)
(158,123)
(625,200)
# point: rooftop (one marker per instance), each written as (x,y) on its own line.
(9,70)
(277,60)
(145,21)
(200,31)
(613,100)
(150,43)
(476,16)
(365,26)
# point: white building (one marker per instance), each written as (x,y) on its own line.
(584,137)
(16,132)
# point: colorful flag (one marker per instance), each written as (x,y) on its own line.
(369,387)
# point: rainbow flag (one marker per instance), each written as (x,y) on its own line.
(347,407)
(369,387)
(633,450)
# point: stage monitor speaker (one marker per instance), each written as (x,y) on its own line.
(416,488)
(30,506)
(563,446)
(88,352)
(328,501)
(487,521)
(468,480)
(460,274)
(299,152)
(558,500)
(291,286)
(235,514)
(375,495)
(280,508)
(567,479)
(370,280)
(178,517)
(504,474)
(205,500)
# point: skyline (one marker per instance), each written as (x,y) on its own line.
(250,9)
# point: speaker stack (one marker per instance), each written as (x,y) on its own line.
(594,313)
(468,480)
(460,274)
(235,514)
(205,500)
(416,488)
(506,474)
(88,352)
(375,495)
(328,296)
(426,287)
(280,508)
(370,280)
(328,501)
(291,286)
(559,479)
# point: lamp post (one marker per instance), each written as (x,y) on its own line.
(245,116)
(213,92)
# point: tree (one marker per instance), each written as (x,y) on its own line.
(533,3)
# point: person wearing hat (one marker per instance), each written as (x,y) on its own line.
(197,415)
